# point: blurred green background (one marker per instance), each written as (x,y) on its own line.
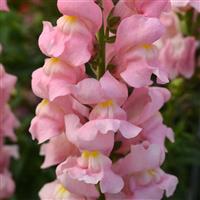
(19,32)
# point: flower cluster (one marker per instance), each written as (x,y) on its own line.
(7,124)
(99,119)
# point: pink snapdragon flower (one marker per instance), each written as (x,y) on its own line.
(49,120)
(86,11)
(3,5)
(97,134)
(136,57)
(148,8)
(53,154)
(142,108)
(91,91)
(91,168)
(56,78)
(144,178)
(143,103)
(64,40)
(177,53)
(185,3)
(77,27)
(105,96)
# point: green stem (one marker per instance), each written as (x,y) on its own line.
(102,45)
(101,54)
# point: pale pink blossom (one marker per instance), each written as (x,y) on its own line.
(149,8)
(57,150)
(64,41)
(153,132)
(56,78)
(97,134)
(92,91)
(91,168)
(142,108)
(178,56)
(86,11)
(136,58)
(177,53)
(143,103)
(4,5)
(49,119)
(106,96)
(144,178)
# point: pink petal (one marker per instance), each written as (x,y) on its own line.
(145,30)
(139,159)
(114,89)
(137,74)
(111,183)
(169,184)
(88,91)
(85,10)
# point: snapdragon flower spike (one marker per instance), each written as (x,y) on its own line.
(8,123)
(107,139)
